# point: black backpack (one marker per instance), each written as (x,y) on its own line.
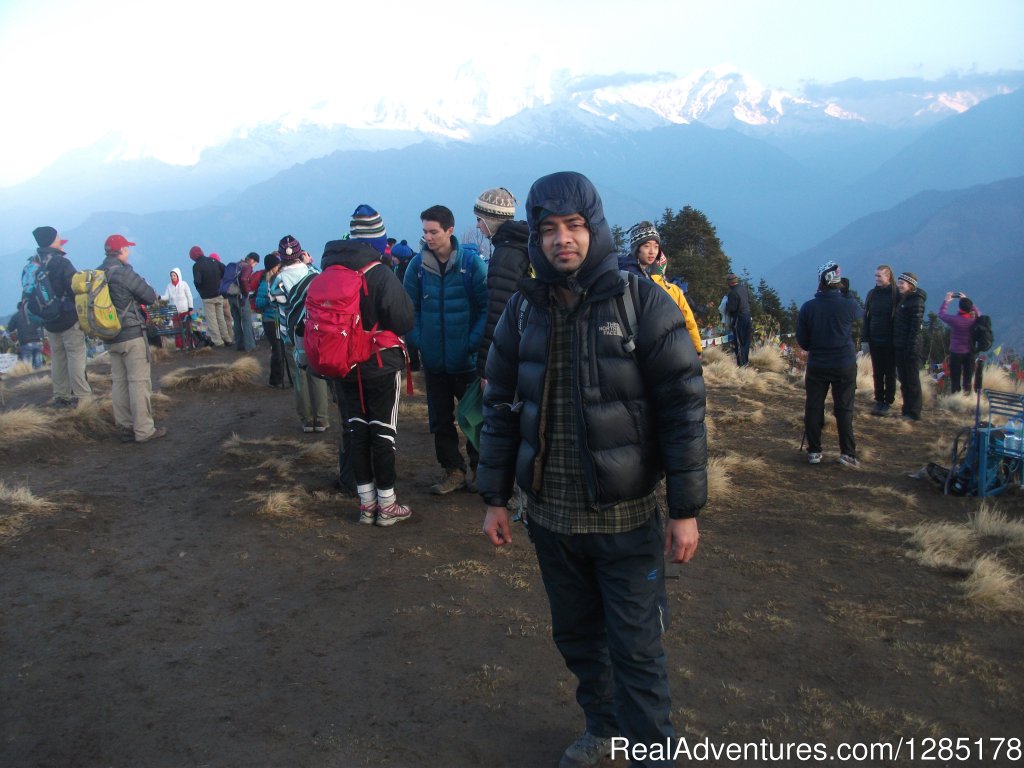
(982,337)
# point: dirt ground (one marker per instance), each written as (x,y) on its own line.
(210,600)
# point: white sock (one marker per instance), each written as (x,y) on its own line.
(367,494)
(386,496)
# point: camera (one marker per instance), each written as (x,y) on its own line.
(958,295)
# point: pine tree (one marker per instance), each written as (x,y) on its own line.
(695,255)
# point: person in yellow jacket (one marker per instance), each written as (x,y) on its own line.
(645,251)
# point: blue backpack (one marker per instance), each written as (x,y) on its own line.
(41,301)
(229,284)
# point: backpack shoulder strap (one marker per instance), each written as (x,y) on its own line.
(627,301)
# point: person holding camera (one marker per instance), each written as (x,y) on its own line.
(961,358)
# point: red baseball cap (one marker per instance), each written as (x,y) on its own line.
(116,243)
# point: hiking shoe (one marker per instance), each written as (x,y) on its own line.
(588,750)
(848,461)
(389,514)
(320,427)
(814,458)
(154,435)
(368,513)
(127,436)
(307,427)
(453,480)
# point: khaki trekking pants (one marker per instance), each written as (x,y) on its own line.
(218,328)
(67,363)
(131,387)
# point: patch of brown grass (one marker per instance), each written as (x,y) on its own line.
(463,569)
(723,469)
(215,378)
(978,548)
(42,381)
(768,357)
(725,373)
(18,508)
(24,424)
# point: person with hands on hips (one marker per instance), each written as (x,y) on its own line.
(587,414)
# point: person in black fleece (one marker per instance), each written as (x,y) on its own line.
(824,328)
(495,211)
(879,312)
(368,397)
(907,340)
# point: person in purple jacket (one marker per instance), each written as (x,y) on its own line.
(961,358)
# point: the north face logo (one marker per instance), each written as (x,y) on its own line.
(610,329)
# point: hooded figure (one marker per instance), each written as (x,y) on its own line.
(588,425)
(178,294)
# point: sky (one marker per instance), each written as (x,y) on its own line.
(172,78)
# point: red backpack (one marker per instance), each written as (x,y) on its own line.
(335,340)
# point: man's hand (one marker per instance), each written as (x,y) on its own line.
(681,539)
(496,526)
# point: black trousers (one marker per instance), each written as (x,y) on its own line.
(908,369)
(270,333)
(843,382)
(608,613)
(372,427)
(883,369)
(443,391)
(961,371)
(743,329)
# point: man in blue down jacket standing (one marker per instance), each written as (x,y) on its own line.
(448,288)
(131,386)
(587,415)
(824,328)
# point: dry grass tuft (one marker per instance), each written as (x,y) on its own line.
(43,381)
(883,494)
(317,454)
(992,584)
(276,453)
(18,506)
(723,469)
(463,569)
(24,424)
(725,373)
(958,403)
(989,581)
(998,378)
(865,375)
(768,357)
(714,355)
(286,506)
(279,468)
(239,375)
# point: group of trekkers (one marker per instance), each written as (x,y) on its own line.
(585,376)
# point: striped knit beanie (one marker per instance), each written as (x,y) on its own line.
(368,226)
(908,277)
(289,249)
(641,233)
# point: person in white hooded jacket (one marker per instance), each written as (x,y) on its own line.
(179,295)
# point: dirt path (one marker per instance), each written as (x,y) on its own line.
(160,618)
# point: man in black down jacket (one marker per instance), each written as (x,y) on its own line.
(131,386)
(588,425)
(907,340)
(879,312)
(495,211)
(206,275)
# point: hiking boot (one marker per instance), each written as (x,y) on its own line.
(453,480)
(127,436)
(814,458)
(154,435)
(588,750)
(848,461)
(390,514)
(368,513)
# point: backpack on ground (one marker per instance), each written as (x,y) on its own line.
(97,315)
(41,300)
(335,339)
(982,337)
(230,284)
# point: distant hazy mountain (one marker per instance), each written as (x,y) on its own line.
(959,240)
(776,174)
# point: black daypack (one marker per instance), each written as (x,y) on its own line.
(982,337)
